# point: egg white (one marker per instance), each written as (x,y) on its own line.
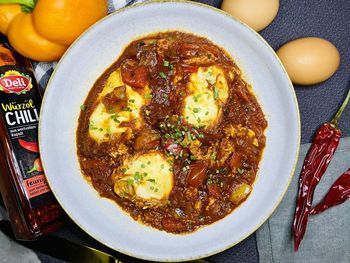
(203,107)
(104,124)
(150,174)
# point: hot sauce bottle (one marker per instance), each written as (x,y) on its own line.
(31,206)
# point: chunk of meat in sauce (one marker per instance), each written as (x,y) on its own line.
(195,54)
(115,100)
(134,75)
(147,139)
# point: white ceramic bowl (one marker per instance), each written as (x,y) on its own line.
(94,52)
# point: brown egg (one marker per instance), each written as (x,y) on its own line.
(257,14)
(309,60)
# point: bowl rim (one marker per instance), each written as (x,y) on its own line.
(295,102)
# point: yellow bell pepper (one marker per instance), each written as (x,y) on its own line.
(45,32)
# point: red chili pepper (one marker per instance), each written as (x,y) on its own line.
(337,194)
(30,146)
(325,142)
(37,166)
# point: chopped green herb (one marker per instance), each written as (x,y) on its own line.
(132,101)
(137,177)
(82,107)
(92,126)
(166,63)
(143,166)
(130,181)
(216,93)
(167,136)
(196,110)
(192,157)
(151,180)
(115,118)
(199,120)
(148,96)
(149,162)
(201,136)
(156,190)
(100,129)
(240,170)
(162,75)
(206,113)
(127,109)
(152,188)
(162,166)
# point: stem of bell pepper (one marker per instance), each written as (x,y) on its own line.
(27,3)
(334,121)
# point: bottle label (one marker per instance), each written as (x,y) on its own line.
(13,81)
(20,106)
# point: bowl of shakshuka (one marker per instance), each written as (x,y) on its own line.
(169,131)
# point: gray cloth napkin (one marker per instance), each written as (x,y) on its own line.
(327,237)
(12,252)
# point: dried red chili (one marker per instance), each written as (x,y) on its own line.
(337,194)
(325,142)
(30,146)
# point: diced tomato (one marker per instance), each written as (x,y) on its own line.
(235,160)
(173,225)
(214,190)
(196,173)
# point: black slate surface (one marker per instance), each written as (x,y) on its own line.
(296,18)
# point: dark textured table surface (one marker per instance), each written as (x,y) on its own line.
(295,19)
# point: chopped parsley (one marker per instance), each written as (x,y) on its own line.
(147,112)
(127,109)
(166,63)
(115,118)
(92,126)
(132,101)
(162,166)
(162,75)
(151,180)
(130,181)
(82,107)
(240,170)
(148,96)
(196,110)
(216,93)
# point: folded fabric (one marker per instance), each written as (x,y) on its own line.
(12,252)
(327,237)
